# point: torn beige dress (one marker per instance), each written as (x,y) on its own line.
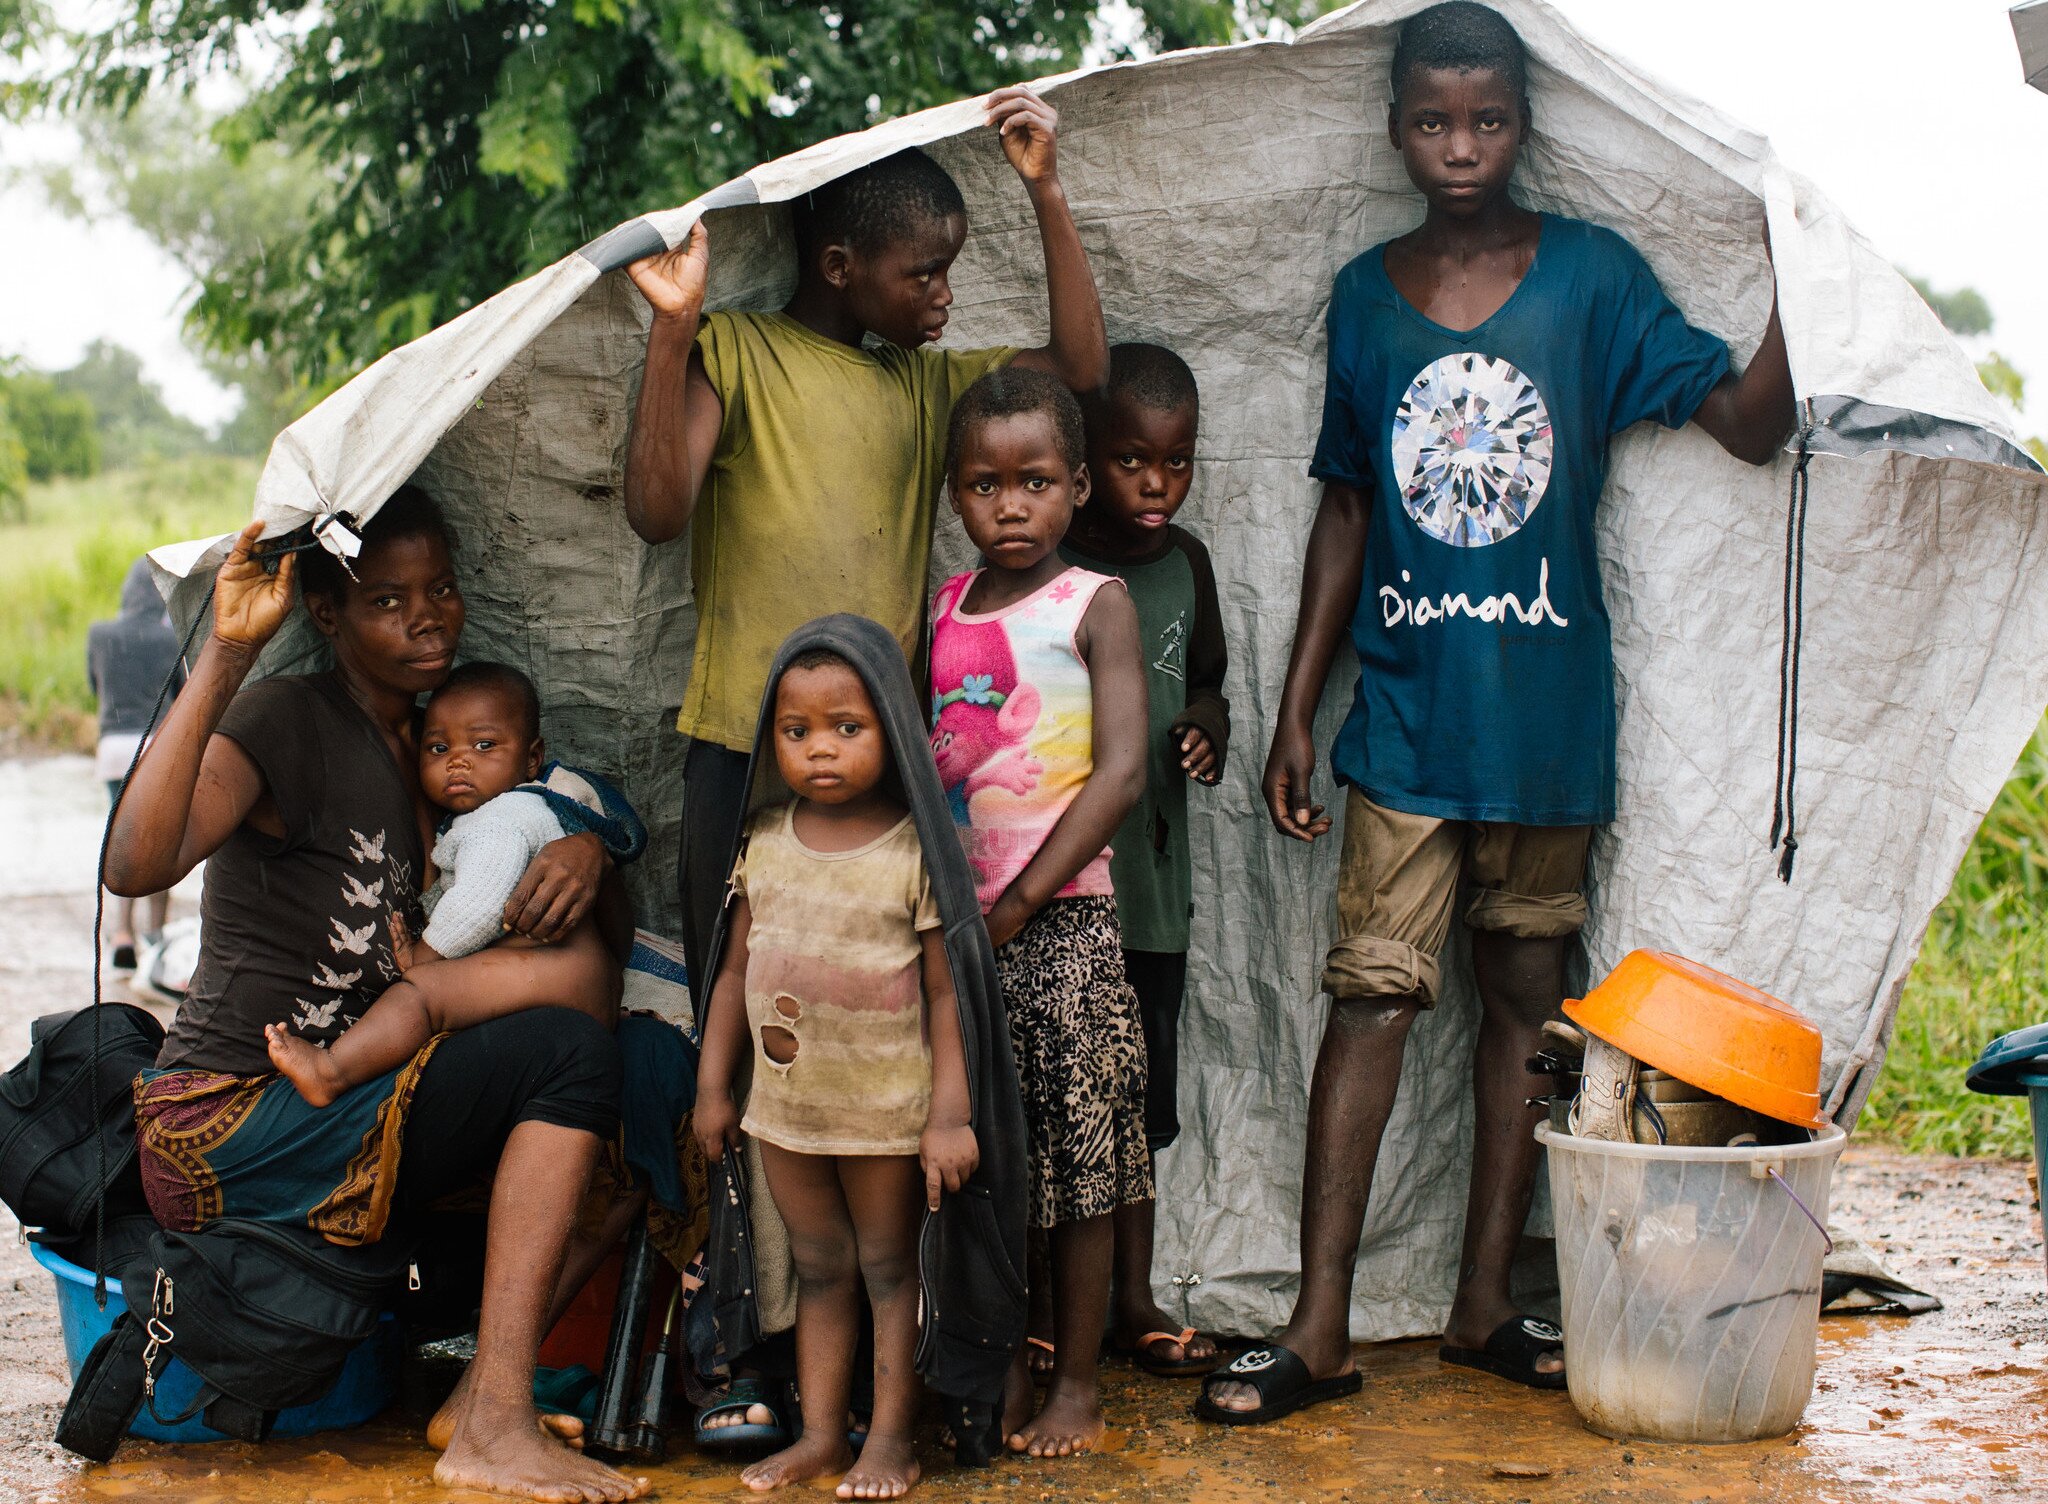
(835,989)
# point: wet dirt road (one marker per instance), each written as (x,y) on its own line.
(1941,1408)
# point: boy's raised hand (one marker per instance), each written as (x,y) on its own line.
(1029,128)
(949,1155)
(673,281)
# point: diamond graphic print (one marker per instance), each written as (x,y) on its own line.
(1472,449)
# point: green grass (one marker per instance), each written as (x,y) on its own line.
(1979,975)
(61,570)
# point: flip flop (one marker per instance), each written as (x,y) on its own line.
(1511,1353)
(1039,1376)
(1282,1381)
(1183,1367)
(742,1395)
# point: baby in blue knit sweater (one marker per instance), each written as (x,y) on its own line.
(481,760)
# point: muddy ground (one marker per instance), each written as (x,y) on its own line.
(1947,1407)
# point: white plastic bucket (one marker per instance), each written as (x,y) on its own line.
(1690,1282)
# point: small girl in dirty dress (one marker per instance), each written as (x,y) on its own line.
(1039,730)
(835,966)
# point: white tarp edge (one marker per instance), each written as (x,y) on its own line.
(1218,194)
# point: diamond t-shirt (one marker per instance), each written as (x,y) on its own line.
(1487,683)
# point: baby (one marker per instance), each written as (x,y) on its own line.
(480,754)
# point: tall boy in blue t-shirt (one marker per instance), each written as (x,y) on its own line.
(1478,368)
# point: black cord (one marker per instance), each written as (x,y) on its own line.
(99,911)
(1784,815)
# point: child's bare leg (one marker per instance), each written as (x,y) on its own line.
(885,1195)
(1070,1421)
(821,1241)
(383,1039)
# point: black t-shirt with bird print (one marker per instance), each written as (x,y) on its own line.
(298,930)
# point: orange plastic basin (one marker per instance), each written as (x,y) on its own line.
(1711,1030)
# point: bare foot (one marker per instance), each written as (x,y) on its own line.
(501,1449)
(567,1429)
(1019,1397)
(1070,1423)
(304,1064)
(886,1469)
(811,1456)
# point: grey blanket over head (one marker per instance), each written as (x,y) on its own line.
(970,1254)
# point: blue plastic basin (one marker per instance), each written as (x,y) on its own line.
(368,1380)
(2037,1108)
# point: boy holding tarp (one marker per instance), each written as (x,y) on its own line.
(1478,368)
(804,459)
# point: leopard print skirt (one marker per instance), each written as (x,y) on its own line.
(1081,1060)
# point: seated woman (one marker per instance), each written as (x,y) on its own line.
(302,795)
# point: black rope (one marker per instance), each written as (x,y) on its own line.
(99,911)
(1784,814)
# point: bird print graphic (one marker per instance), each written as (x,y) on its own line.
(369,850)
(359,896)
(315,1015)
(355,942)
(335,981)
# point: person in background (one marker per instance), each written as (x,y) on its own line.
(1480,366)
(1141,462)
(127,660)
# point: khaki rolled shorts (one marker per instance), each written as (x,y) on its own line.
(1397,884)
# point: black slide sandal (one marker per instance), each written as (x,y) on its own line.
(1511,1353)
(1283,1384)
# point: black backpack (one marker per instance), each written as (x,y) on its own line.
(64,1134)
(266,1314)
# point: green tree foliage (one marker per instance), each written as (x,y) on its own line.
(218,202)
(133,423)
(13,466)
(54,427)
(1963,311)
(456,145)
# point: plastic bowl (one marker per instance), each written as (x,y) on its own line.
(1707,1028)
(367,1383)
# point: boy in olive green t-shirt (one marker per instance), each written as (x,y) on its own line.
(805,460)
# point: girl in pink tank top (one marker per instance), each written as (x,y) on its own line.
(1038,696)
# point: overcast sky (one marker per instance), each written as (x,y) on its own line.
(1910,114)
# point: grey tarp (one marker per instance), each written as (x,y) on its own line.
(1218,192)
(2030,30)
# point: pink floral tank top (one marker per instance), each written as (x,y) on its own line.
(1013,725)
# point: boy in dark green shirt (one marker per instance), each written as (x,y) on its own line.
(1141,456)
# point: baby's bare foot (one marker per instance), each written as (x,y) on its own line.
(814,1455)
(1069,1424)
(304,1064)
(886,1469)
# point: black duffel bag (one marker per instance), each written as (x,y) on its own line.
(56,1112)
(266,1314)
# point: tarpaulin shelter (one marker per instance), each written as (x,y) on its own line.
(2030,30)
(1218,192)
